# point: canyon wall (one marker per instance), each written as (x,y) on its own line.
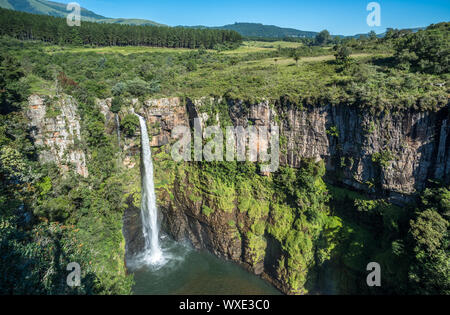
(399,151)
(392,155)
(396,152)
(55,126)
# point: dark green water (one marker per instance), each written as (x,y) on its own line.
(189,272)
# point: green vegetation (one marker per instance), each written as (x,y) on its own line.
(116,104)
(48,220)
(425,51)
(55,30)
(370,78)
(410,243)
(429,241)
(342,54)
(384,158)
(258,30)
(129,125)
(329,231)
(323,38)
(290,207)
(303,224)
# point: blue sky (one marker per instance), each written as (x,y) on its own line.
(345,17)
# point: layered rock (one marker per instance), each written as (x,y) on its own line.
(164,115)
(413,146)
(393,154)
(57,134)
(399,151)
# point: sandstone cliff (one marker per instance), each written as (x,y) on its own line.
(388,154)
(56,130)
(396,152)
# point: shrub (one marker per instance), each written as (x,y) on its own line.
(129,125)
(116,104)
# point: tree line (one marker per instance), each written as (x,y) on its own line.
(26,26)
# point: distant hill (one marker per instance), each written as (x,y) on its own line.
(271,31)
(261,30)
(59,10)
(414,30)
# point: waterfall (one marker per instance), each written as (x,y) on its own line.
(149,212)
(118,129)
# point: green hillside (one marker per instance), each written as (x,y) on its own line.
(141,22)
(59,10)
(268,31)
(261,30)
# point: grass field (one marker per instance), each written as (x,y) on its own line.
(259,76)
(125,50)
(290,61)
(256,46)
(272,45)
(246,47)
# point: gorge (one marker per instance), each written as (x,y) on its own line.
(217,221)
(88,177)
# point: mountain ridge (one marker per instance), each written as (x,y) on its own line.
(58,9)
(262,30)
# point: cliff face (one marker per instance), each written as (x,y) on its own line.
(393,154)
(397,153)
(56,129)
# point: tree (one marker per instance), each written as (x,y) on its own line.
(342,54)
(129,125)
(97,136)
(12,93)
(12,166)
(323,38)
(116,104)
(427,50)
(430,271)
(55,30)
(296,56)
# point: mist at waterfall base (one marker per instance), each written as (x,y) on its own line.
(191,272)
(169,268)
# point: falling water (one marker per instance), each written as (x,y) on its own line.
(153,252)
(118,129)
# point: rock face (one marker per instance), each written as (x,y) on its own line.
(163,116)
(58,133)
(132,231)
(399,152)
(393,154)
(396,152)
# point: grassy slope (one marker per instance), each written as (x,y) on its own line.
(272,31)
(249,73)
(130,22)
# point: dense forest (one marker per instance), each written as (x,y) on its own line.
(55,30)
